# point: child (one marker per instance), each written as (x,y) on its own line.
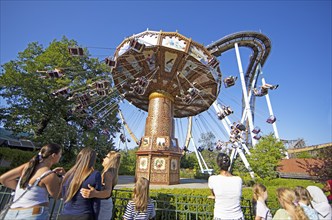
(304,199)
(262,212)
(140,207)
(290,208)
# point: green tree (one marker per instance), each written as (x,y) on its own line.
(207,141)
(34,107)
(128,162)
(265,156)
(324,172)
(189,161)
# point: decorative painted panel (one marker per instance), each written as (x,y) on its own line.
(143,164)
(159,163)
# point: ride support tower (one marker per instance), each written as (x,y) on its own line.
(169,76)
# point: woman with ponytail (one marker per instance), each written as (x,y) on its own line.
(291,208)
(33,183)
(109,176)
(226,190)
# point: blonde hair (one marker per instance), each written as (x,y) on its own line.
(112,167)
(141,194)
(83,167)
(287,200)
(303,194)
(258,191)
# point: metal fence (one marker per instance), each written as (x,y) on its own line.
(168,206)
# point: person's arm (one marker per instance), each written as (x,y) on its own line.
(212,196)
(95,201)
(258,217)
(128,215)
(52,183)
(152,214)
(9,179)
(281,214)
(93,193)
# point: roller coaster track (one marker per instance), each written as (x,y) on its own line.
(310,148)
(259,43)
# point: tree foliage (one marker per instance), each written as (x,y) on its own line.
(207,141)
(265,156)
(32,109)
(128,162)
(189,161)
(324,172)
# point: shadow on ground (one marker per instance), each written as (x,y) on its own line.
(128,182)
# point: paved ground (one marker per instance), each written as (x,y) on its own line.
(128,182)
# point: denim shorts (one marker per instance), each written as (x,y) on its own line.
(40,213)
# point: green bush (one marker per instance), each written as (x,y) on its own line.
(15,157)
(187,173)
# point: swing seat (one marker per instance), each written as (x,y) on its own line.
(256,130)
(110,62)
(84,100)
(271,119)
(61,92)
(122,138)
(142,81)
(213,62)
(200,149)
(241,127)
(229,81)
(101,84)
(54,73)
(102,92)
(89,122)
(221,115)
(139,90)
(257,137)
(135,45)
(76,51)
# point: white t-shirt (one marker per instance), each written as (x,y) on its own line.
(263,211)
(227,191)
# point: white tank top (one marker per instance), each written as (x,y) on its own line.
(35,195)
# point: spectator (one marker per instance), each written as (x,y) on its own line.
(304,199)
(140,207)
(290,207)
(262,212)
(328,188)
(109,176)
(80,176)
(320,203)
(227,191)
(31,198)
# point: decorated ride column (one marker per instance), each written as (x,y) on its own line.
(158,157)
(169,76)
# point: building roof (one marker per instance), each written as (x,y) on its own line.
(7,139)
(300,168)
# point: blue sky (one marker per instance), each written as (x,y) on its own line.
(300,31)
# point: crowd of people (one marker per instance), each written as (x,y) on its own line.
(87,193)
(296,204)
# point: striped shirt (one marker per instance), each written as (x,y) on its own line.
(131,214)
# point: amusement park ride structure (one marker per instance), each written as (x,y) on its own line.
(170,76)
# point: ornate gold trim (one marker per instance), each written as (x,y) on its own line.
(161,94)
